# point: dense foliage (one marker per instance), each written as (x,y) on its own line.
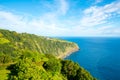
(74,72)
(49,68)
(30,57)
(14,44)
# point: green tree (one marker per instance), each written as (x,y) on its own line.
(74,72)
(69,69)
(5,58)
(52,65)
(24,69)
(83,75)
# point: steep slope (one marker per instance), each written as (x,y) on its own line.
(31,57)
(13,44)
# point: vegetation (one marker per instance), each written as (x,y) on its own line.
(30,57)
(49,69)
(14,44)
(74,72)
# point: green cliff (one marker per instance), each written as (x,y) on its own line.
(13,44)
(30,57)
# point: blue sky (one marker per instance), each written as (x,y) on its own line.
(61,17)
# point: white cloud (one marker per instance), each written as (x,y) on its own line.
(49,24)
(95,21)
(46,24)
(98,1)
(98,15)
(10,20)
(63,7)
(59,7)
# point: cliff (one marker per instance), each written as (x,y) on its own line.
(69,51)
(14,44)
(28,56)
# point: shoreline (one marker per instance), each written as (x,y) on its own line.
(68,52)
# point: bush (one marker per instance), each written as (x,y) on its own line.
(5,59)
(53,65)
(24,69)
(69,69)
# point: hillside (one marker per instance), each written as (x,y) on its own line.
(13,44)
(30,57)
(46,67)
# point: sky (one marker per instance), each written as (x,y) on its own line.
(61,17)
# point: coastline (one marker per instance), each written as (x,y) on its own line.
(69,51)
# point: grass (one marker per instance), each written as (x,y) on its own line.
(3,71)
(3,40)
(4,74)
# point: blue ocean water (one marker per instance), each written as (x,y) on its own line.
(99,55)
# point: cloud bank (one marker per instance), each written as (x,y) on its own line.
(94,21)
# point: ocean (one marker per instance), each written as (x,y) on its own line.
(98,55)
